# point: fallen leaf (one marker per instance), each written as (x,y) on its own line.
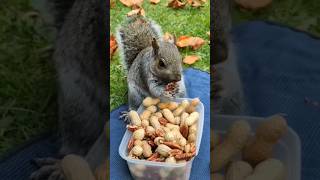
(127,3)
(196,3)
(154,1)
(130,3)
(112,3)
(139,11)
(191,59)
(168,37)
(253,4)
(194,42)
(176,4)
(113,45)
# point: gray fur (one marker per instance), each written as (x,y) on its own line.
(227,89)
(80,59)
(143,49)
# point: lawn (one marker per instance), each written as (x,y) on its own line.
(27,85)
(188,21)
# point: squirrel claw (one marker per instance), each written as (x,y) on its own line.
(124,115)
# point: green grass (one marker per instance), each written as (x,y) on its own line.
(300,14)
(188,21)
(27,88)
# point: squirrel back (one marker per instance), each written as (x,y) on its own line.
(134,35)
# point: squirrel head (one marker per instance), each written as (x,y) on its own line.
(167,61)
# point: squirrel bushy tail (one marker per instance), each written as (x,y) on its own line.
(134,35)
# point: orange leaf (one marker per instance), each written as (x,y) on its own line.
(112,3)
(130,3)
(183,41)
(127,3)
(154,1)
(196,3)
(176,4)
(194,42)
(197,43)
(168,37)
(139,11)
(191,59)
(137,2)
(113,45)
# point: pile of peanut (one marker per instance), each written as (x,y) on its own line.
(254,151)
(164,131)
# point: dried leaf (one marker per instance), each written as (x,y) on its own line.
(176,4)
(139,11)
(113,45)
(168,37)
(112,3)
(130,3)
(154,1)
(196,3)
(191,59)
(253,4)
(194,42)
(127,3)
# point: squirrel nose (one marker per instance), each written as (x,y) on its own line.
(177,77)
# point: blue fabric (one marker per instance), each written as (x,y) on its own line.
(279,67)
(18,165)
(198,85)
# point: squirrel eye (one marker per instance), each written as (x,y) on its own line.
(161,63)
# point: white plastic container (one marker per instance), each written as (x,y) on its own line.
(143,169)
(288,150)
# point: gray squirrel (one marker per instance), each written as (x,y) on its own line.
(227,95)
(151,63)
(80,58)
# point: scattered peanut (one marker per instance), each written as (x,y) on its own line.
(163,150)
(181,108)
(138,134)
(168,105)
(148,101)
(137,150)
(145,115)
(192,118)
(147,152)
(168,115)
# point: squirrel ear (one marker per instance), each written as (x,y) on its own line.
(155,46)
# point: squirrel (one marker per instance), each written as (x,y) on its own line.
(151,63)
(226,92)
(80,58)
